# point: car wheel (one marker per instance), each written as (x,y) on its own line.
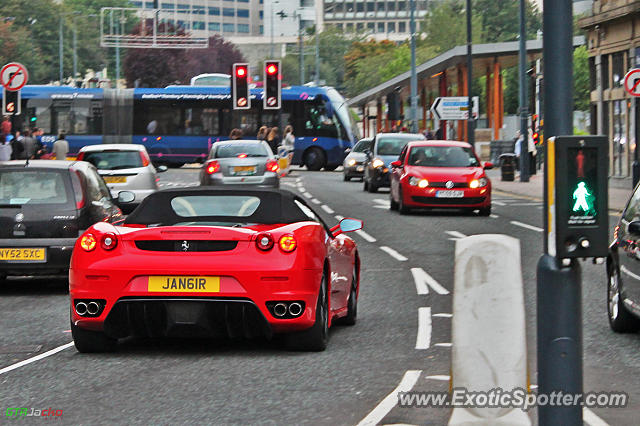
(393,204)
(314,339)
(88,341)
(485,211)
(315,159)
(402,208)
(347,178)
(620,319)
(372,188)
(352,306)
(331,168)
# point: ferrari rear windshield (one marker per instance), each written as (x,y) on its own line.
(215,205)
(236,149)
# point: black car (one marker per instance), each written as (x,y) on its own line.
(44,206)
(623,270)
(386,148)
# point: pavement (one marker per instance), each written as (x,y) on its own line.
(619,189)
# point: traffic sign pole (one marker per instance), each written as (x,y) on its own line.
(632,86)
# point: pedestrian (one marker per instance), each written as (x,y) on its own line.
(60,147)
(5,128)
(5,147)
(17,148)
(30,145)
(429,134)
(262,133)
(288,143)
(531,148)
(40,151)
(273,139)
(439,134)
(235,134)
(518,148)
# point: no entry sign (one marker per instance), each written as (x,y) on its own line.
(14,76)
(632,82)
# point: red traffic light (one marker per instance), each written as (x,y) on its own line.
(241,71)
(11,107)
(272,69)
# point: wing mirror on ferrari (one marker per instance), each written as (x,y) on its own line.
(126,197)
(350,225)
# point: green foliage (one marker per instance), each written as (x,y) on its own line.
(581,86)
(445,26)
(500,19)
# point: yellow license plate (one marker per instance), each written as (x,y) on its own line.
(188,284)
(115,179)
(244,169)
(26,254)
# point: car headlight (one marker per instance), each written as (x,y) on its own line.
(351,162)
(478,183)
(377,163)
(420,183)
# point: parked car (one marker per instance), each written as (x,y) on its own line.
(353,164)
(124,167)
(241,162)
(44,206)
(440,174)
(386,148)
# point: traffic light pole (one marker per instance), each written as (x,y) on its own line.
(524,128)
(414,78)
(471,121)
(559,314)
(636,158)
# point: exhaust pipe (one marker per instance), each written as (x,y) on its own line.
(92,308)
(280,310)
(81,308)
(295,309)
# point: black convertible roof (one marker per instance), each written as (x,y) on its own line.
(276,206)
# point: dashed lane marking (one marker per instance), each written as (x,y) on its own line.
(315,201)
(391,252)
(423,339)
(327,209)
(366,236)
(455,234)
(439,377)
(527,226)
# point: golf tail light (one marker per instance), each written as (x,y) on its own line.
(377,163)
(88,242)
(213,167)
(288,243)
(109,241)
(272,166)
(264,241)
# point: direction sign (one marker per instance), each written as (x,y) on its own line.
(454,108)
(632,82)
(14,76)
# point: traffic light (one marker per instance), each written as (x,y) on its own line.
(581,196)
(240,86)
(534,129)
(272,98)
(11,102)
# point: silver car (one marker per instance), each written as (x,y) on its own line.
(241,162)
(124,167)
(353,164)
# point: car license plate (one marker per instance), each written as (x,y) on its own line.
(185,284)
(23,254)
(115,179)
(244,170)
(449,194)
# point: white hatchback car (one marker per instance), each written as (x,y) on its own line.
(124,167)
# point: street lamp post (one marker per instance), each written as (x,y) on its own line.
(414,79)
(300,47)
(524,111)
(60,50)
(470,122)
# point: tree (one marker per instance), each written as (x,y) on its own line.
(500,19)
(16,46)
(445,26)
(581,83)
(217,58)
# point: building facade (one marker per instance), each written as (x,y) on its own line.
(613,41)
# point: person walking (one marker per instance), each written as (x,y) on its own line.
(262,133)
(5,147)
(60,147)
(29,143)
(273,139)
(17,148)
(5,128)
(235,134)
(288,144)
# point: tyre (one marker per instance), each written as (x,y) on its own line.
(402,208)
(331,168)
(352,306)
(620,319)
(393,204)
(315,159)
(485,211)
(346,178)
(372,188)
(314,339)
(88,341)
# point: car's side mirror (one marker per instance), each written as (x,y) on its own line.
(349,225)
(634,228)
(126,197)
(488,165)
(396,164)
(368,153)
(162,168)
(348,150)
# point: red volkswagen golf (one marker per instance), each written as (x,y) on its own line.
(440,174)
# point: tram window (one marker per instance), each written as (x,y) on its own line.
(317,122)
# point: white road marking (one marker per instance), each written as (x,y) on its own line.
(439,377)
(391,252)
(306,194)
(289,184)
(382,409)
(494,216)
(366,236)
(298,180)
(338,217)
(327,209)
(380,207)
(424,281)
(36,358)
(498,203)
(524,204)
(591,419)
(381,201)
(423,339)
(302,189)
(443,315)
(315,201)
(443,345)
(526,225)
(455,234)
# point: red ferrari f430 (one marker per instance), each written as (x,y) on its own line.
(209,262)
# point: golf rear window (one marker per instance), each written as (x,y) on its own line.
(215,205)
(18,187)
(237,148)
(114,160)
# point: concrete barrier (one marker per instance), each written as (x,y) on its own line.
(488,330)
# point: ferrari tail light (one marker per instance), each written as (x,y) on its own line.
(213,167)
(288,243)
(76,181)
(88,242)
(109,241)
(80,156)
(272,166)
(145,158)
(264,241)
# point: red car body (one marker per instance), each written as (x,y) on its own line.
(469,184)
(151,282)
